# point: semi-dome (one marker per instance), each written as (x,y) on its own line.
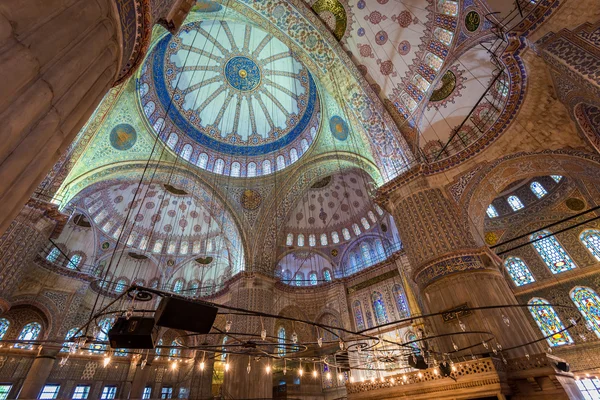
(230,98)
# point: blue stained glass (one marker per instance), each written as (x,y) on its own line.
(591,240)
(102,335)
(327,275)
(313,278)
(224,349)
(553,254)
(178,286)
(518,271)
(491,211)
(30,331)
(75,261)
(287,276)
(379,307)
(174,351)
(369,317)
(401,303)
(281,341)
(515,203)
(411,339)
(327,380)
(53,255)
(68,336)
(120,286)
(538,189)
(556,178)
(588,303)
(549,323)
(358,316)
(158,349)
(365,250)
(4,324)
(299,279)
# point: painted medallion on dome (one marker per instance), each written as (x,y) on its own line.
(123,137)
(250,199)
(338,127)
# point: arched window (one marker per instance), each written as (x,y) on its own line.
(287,276)
(299,278)
(159,125)
(289,240)
(365,223)
(102,336)
(31,331)
(323,239)
(175,350)
(194,287)
(491,211)
(154,283)
(74,262)
(335,237)
(219,166)
(549,323)
(588,303)
(538,189)
(236,167)
(327,275)
(591,240)
(280,162)
(266,167)
(379,249)
(412,341)
(251,170)
(365,251)
(356,229)
(149,108)
(202,160)
(358,315)
(4,324)
(401,303)
(121,285)
(224,349)
(68,342)
(186,153)
(183,249)
(346,234)
(312,240)
(178,286)
(371,215)
(158,348)
(518,271)
(515,203)
(313,278)
(293,155)
(301,240)
(281,341)
(379,307)
(304,145)
(378,209)
(53,255)
(157,246)
(556,178)
(553,254)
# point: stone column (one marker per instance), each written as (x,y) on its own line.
(38,373)
(452,269)
(252,292)
(201,387)
(140,378)
(23,241)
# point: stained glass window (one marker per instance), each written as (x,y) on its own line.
(379,307)
(380,250)
(326,275)
(300,240)
(102,336)
(53,255)
(219,166)
(74,263)
(174,351)
(411,339)
(372,216)
(121,285)
(287,276)
(538,189)
(556,178)
(400,298)
(281,341)
(313,278)
(335,237)
(323,239)
(491,211)
(158,348)
(108,392)
(515,203)
(81,392)
(553,254)
(588,303)
(365,223)
(358,315)
(312,240)
(289,240)
(236,167)
(30,331)
(365,251)
(356,229)
(591,240)
(549,323)
(172,140)
(178,286)
(346,234)
(194,286)
(224,349)
(187,151)
(266,167)
(67,343)
(518,271)
(4,324)
(293,155)
(280,162)
(369,317)
(49,392)
(299,279)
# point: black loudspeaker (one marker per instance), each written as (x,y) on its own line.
(133,333)
(419,363)
(193,316)
(563,366)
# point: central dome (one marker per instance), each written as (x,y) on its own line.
(230,98)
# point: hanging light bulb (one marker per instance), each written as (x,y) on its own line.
(249,367)
(228,326)
(106,360)
(506,320)
(382,379)
(129,313)
(473,357)
(573,321)
(495,351)
(300,371)
(549,349)
(351,379)
(63,361)
(527,356)
(589,326)
(372,380)
(268,368)
(340,377)
(341,345)
(583,337)
(392,380)
(314,373)
(174,365)
(499,346)
(404,378)
(201,365)
(284,366)
(454,346)
(504,360)
(143,363)
(328,375)
(435,371)
(485,345)
(294,337)
(420,375)
(320,342)
(263,334)
(227,366)
(462,325)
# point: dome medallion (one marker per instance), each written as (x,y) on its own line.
(230,98)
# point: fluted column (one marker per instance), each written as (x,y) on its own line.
(451,269)
(38,373)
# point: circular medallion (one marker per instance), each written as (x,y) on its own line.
(334,252)
(491,238)
(445,87)
(123,137)
(575,204)
(170,263)
(338,128)
(105,245)
(242,73)
(250,199)
(472,21)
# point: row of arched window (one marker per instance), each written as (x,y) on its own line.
(379,309)
(73,263)
(553,254)
(587,302)
(30,331)
(367,253)
(515,202)
(299,279)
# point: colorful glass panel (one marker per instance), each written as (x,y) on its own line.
(75,261)
(556,178)
(588,303)
(281,341)
(379,307)
(518,271)
(327,275)
(538,189)
(401,303)
(358,316)
(553,254)
(30,331)
(549,323)
(53,255)
(102,336)
(313,278)
(591,240)
(174,351)
(4,324)
(491,211)
(515,203)
(67,343)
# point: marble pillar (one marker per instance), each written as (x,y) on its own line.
(452,269)
(38,373)
(140,378)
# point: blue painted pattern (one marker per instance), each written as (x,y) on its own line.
(123,137)
(338,128)
(242,73)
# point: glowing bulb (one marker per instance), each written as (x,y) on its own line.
(453,368)
(392,380)
(63,361)
(328,375)
(263,334)
(226,366)
(404,378)
(201,365)
(268,369)
(462,325)
(106,361)
(486,345)
(284,370)
(228,326)
(249,367)
(341,345)
(314,373)
(143,363)
(455,346)
(300,372)
(351,379)
(420,375)
(174,365)
(320,342)
(527,356)
(372,380)
(382,379)
(506,320)
(435,371)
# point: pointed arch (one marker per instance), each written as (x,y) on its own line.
(518,271)
(379,307)
(588,303)
(552,252)
(549,322)
(591,240)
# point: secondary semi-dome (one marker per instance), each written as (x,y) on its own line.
(230,98)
